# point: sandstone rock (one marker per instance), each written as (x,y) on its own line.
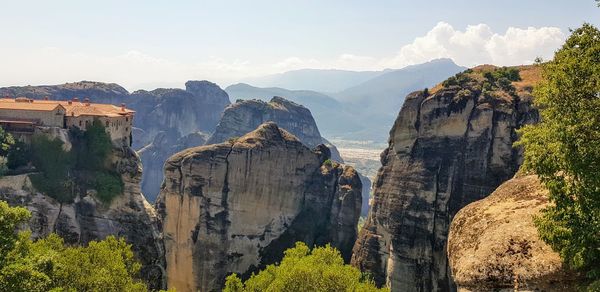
(197,108)
(445,151)
(155,154)
(236,206)
(244,116)
(129,215)
(493,243)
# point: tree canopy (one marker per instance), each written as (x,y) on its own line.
(564,150)
(48,265)
(301,269)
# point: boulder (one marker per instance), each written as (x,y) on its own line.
(494,245)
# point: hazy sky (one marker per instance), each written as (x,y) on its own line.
(141,44)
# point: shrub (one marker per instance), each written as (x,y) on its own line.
(49,157)
(108,185)
(19,155)
(49,265)
(54,164)
(6,141)
(93,147)
(302,269)
(60,189)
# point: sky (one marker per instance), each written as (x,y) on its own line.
(145,44)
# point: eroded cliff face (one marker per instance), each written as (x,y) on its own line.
(446,150)
(245,115)
(236,206)
(493,244)
(156,153)
(180,112)
(128,215)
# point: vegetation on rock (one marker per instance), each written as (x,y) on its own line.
(48,265)
(564,150)
(18,155)
(53,164)
(62,174)
(303,269)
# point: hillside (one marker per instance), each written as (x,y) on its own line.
(322,80)
(376,101)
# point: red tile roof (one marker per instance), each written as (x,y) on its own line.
(74,108)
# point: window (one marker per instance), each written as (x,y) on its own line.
(126,119)
(107,123)
(80,124)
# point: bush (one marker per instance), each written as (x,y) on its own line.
(49,265)
(301,269)
(563,150)
(6,141)
(108,185)
(58,189)
(54,163)
(19,155)
(93,147)
(49,157)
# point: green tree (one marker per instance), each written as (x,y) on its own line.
(564,150)
(49,157)
(54,164)
(49,265)
(97,145)
(10,219)
(301,269)
(6,141)
(19,154)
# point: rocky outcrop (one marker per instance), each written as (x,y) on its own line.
(236,206)
(177,112)
(493,244)
(197,108)
(245,115)
(446,150)
(156,153)
(128,215)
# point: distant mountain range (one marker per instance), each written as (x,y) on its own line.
(322,80)
(329,113)
(359,105)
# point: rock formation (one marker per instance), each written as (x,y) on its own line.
(197,108)
(177,112)
(236,206)
(447,148)
(156,153)
(128,215)
(245,115)
(366,194)
(493,244)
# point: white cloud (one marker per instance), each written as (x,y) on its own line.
(478,44)
(475,45)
